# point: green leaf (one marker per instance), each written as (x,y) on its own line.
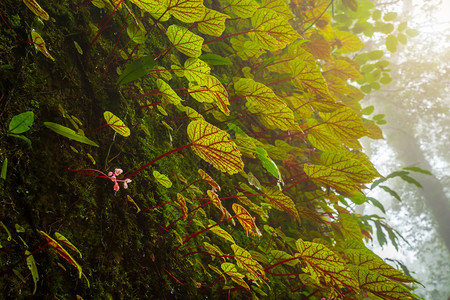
(417,169)
(222,233)
(345,124)
(215,60)
(391,43)
(329,177)
(231,270)
(116,124)
(271,31)
(4,168)
(162,179)
(187,11)
(411,180)
(243,8)
(402,38)
(21,123)
(196,70)
(412,32)
(212,23)
(390,16)
(391,192)
(280,6)
(268,163)
(377,204)
(185,41)
(368,110)
(137,69)
(27,140)
(322,263)
(31,263)
(69,133)
(280,201)
(381,237)
(66,242)
(168,94)
(136,33)
(245,261)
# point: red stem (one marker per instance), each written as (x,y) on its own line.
(104,125)
(148,105)
(156,159)
(173,277)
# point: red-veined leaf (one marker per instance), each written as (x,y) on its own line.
(212,23)
(230,270)
(330,177)
(324,264)
(222,233)
(182,203)
(185,41)
(246,220)
(187,11)
(66,242)
(279,6)
(208,179)
(196,70)
(116,124)
(162,179)
(216,201)
(344,123)
(243,8)
(280,201)
(215,146)
(258,94)
(37,10)
(40,44)
(61,252)
(244,260)
(347,42)
(211,91)
(271,31)
(168,94)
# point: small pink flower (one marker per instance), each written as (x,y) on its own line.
(110,174)
(116,186)
(118,172)
(126,182)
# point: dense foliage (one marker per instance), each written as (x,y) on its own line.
(264,93)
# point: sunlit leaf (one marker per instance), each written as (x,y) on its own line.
(222,233)
(330,177)
(211,91)
(245,261)
(347,42)
(231,270)
(350,227)
(168,94)
(66,242)
(192,113)
(282,118)
(208,179)
(61,252)
(379,285)
(182,203)
(69,133)
(196,70)
(279,6)
(271,31)
(116,124)
(40,44)
(31,263)
(280,201)
(212,23)
(325,264)
(212,248)
(258,94)
(349,165)
(246,220)
(185,41)
(162,179)
(37,10)
(268,163)
(216,200)
(243,8)
(322,138)
(187,11)
(345,124)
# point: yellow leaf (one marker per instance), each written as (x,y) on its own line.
(213,22)
(185,41)
(344,123)
(271,31)
(168,94)
(323,263)
(258,94)
(246,220)
(208,179)
(31,263)
(279,6)
(330,177)
(215,146)
(162,179)
(322,138)
(280,201)
(347,42)
(182,203)
(375,132)
(222,233)
(116,124)
(36,9)
(196,70)
(40,44)
(243,8)
(283,118)
(244,260)
(66,242)
(215,200)
(187,11)
(192,114)
(211,91)
(230,270)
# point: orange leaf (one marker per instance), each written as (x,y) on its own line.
(182,203)
(215,146)
(246,220)
(116,124)
(208,179)
(37,9)
(61,252)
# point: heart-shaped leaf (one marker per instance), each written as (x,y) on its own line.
(213,22)
(185,41)
(187,11)
(116,124)
(215,146)
(162,179)
(246,220)
(21,123)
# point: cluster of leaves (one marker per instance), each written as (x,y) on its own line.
(282,85)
